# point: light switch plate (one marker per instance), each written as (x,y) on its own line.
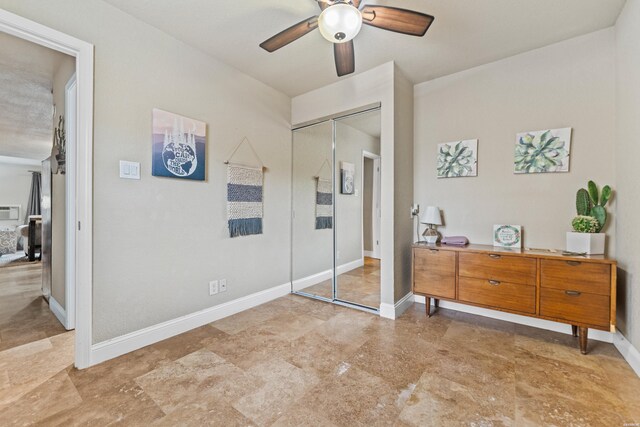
(129,170)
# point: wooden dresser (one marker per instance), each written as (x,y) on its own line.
(580,291)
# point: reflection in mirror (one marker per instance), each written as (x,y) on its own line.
(357,189)
(312,216)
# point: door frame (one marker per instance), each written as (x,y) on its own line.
(70,114)
(375,204)
(80,216)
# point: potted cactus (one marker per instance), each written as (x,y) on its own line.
(587,236)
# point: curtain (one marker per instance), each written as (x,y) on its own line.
(33,207)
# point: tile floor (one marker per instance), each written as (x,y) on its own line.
(24,315)
(296,361)
(361,285)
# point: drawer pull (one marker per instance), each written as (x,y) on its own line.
(494,256)
(574,263)
(494,282)
(573,293)
(434,250)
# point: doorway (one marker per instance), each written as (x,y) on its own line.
(371,205)
(328,256)
(77,218)
(33,101)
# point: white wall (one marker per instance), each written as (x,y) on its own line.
(627,172)
(158,242)
(568,84)
(403,196)
(15,185)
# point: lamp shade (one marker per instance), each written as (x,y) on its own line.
(340,22)
(432,216)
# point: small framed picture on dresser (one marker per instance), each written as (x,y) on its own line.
(507,236)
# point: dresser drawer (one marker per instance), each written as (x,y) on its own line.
(588,277)
(579,307)
(434,273)
(504,268)
(508,296)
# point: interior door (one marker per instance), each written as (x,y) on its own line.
(45,238)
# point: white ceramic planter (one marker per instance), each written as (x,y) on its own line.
(590,243)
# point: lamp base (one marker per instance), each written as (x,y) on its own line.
(432,240)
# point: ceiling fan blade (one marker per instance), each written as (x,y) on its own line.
(290,34)
(345,58)
(399,20)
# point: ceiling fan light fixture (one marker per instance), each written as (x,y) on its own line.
(340,22)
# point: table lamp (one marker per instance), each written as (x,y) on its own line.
(432,218)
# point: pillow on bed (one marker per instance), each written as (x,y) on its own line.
(8,241)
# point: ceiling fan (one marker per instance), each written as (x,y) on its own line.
(341,20)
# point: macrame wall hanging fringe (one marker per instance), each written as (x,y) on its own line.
(244,195)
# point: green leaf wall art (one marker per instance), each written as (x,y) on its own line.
(543,151)
(457,159)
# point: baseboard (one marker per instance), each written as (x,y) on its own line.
(58,311)
(521,320)
(393,311)
(314,279)
(628,351)
(118,346)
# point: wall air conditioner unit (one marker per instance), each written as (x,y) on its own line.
(9,213)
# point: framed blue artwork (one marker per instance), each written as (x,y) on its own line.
(178,146)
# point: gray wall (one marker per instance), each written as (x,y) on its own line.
(569,84)
(158,242)
(628,174)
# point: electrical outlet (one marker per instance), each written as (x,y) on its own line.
(223,285)
(415,210)
(213,287)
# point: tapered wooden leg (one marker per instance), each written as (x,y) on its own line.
(427,303)
(574,330)
(584,339)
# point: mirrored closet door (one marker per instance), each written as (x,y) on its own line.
(336,210)
(357,153)
(312,211)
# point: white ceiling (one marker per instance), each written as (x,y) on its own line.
(466,33)
(26,101)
